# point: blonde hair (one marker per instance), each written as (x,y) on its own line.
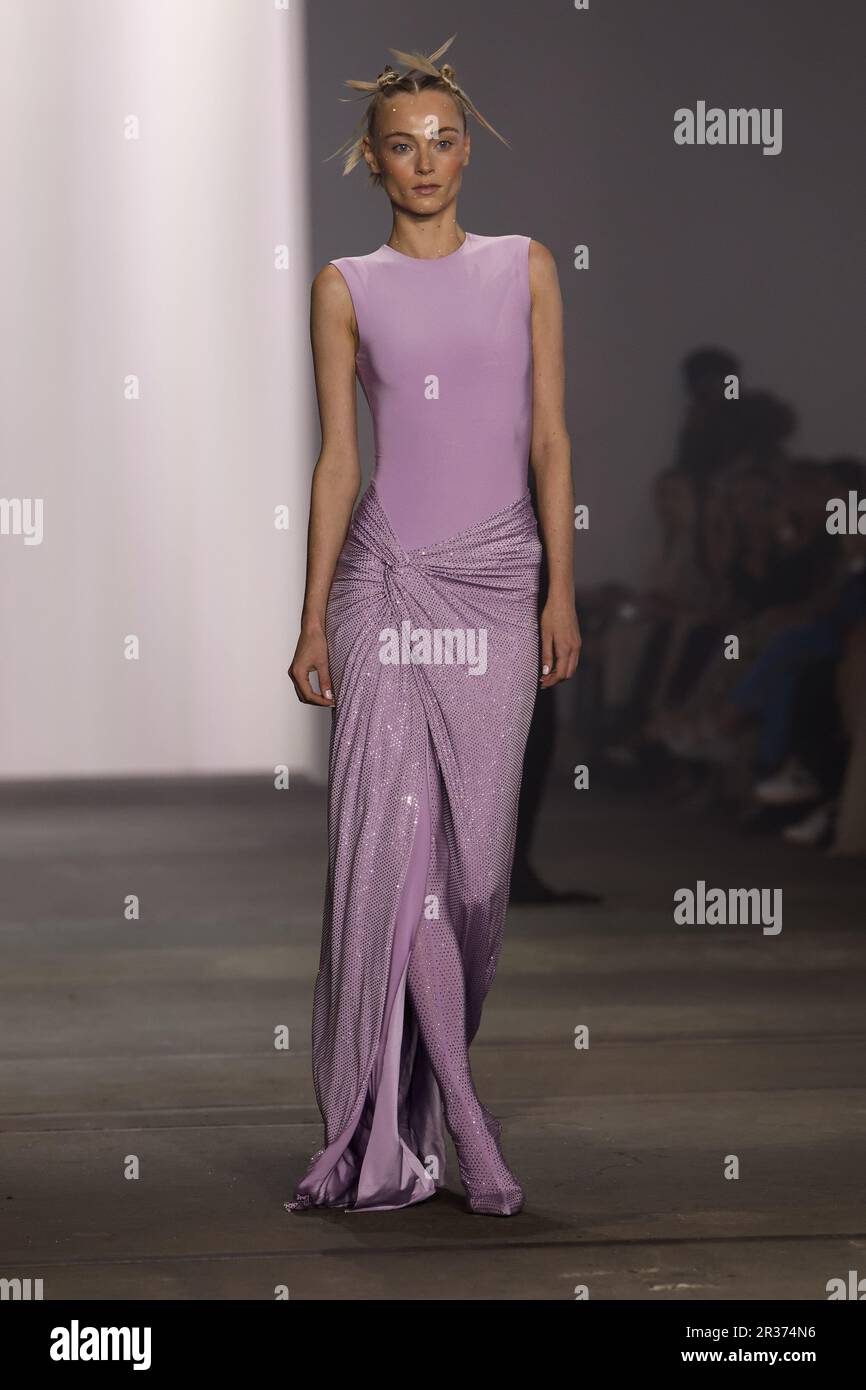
(422,75)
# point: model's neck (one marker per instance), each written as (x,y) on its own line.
(426,239)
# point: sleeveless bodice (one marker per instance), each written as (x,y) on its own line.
(445,362)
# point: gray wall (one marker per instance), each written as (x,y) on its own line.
(720,245)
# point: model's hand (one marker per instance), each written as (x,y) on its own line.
(311,654)
(560,641)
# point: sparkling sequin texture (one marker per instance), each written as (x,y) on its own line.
(424,774)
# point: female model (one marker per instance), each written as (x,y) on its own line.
(421,623)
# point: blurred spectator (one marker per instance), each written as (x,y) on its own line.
(743,549)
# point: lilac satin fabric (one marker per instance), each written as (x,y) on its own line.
(424,774)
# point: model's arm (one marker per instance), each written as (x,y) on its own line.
(336,477)
(550,457)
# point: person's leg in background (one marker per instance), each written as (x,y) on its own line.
(819,749)
(769,688)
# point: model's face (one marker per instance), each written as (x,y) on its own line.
(420,150)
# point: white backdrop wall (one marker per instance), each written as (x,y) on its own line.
(154,159)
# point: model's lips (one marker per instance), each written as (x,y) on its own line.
(425,188)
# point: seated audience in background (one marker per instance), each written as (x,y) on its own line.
(744,551)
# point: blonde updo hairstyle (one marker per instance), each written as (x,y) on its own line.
(422,75)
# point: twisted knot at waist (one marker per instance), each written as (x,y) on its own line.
(398,563)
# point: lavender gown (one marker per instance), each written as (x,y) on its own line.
(429,732)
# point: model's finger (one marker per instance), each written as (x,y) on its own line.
(546,656)
(306,694)
(325,685)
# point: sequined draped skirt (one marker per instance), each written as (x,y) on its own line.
(434,665)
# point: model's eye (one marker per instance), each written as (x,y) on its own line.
(443,141)
(401,146)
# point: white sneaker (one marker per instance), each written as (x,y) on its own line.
(787,787)
(700,743)
(813,829)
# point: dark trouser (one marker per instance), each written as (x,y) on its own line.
(699,645)
(539,751)
(818,738)
(770,686)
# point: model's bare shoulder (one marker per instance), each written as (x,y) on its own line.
(329,282)
(331,299)
(543,275)
(541,256)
